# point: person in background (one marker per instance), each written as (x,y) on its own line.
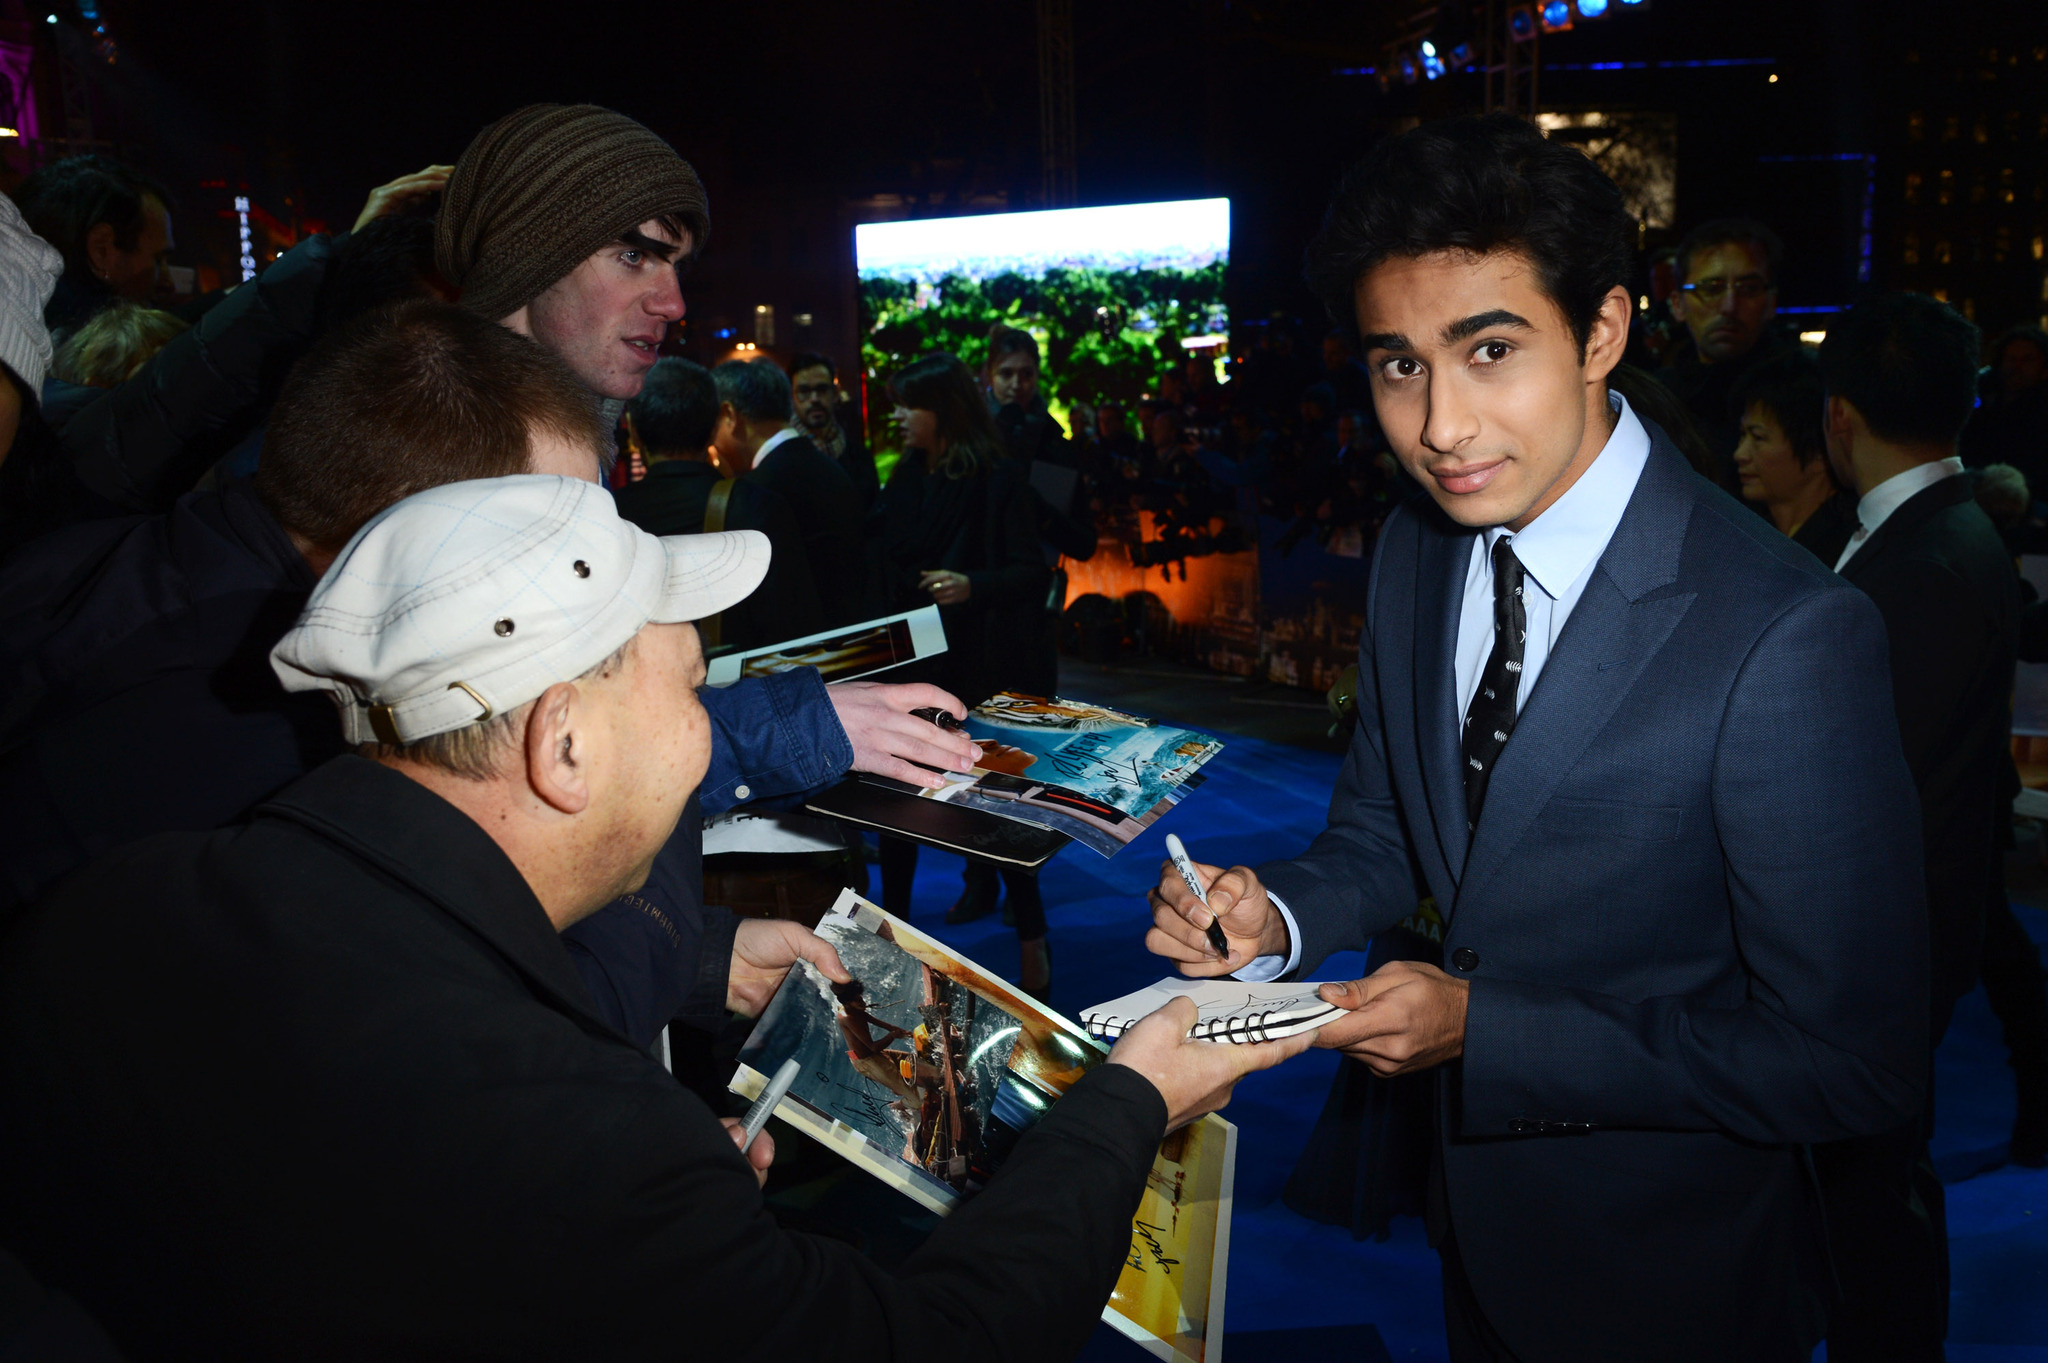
(1782,459)
(955,525)
(111,222)
(755,442)
(1034,437)
(108,350)
(35,472)
(327,1082)
(1727,296)
(1900,372)
(1118,454)
(1061,503)
(671,423)
(204,396)
(814,388)
(1350,385)
(2011,425)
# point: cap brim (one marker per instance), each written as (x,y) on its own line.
(710,573)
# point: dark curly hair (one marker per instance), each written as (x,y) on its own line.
(1480,184)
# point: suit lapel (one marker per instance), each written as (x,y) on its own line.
(1445,556)
(1624,616)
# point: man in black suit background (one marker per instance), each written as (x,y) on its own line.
(1639,747)
(814,384)
(754,441)
(671,423)
(1901,376)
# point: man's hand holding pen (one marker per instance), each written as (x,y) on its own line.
(1251,925)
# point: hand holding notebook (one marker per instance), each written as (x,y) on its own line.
(1225,1010)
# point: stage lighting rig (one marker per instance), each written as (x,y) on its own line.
(1522,23)
(1591,9)
(1556,16)
(1432,60)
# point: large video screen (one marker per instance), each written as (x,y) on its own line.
(1116,296)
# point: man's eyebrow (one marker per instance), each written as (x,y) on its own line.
(1384,340)
(640,241)
(1484,321)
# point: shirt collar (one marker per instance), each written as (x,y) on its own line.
(775,442)
(1894,492)
(1564,541)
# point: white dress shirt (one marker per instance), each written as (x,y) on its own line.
(773,443)
(1558,550)
(1894,492)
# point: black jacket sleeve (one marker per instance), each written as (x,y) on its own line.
(146,442)
(1019,1274)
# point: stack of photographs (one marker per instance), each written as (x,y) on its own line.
(1098,775)
(927,1070)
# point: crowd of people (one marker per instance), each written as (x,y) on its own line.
(356,766)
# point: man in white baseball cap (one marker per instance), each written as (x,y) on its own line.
(516,647)
(328,1074)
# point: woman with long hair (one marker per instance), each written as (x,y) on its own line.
(955,527)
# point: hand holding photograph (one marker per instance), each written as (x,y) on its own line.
(926,1070)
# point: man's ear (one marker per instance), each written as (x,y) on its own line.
(100,251)
(1839,419)
(1607,339)
(555,768)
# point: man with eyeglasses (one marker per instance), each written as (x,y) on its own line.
(1727,296)
(814,386)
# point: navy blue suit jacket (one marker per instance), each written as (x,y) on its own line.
(1691,915)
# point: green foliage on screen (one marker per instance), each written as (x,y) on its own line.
(1104,334)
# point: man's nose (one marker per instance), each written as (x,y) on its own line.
(666,301)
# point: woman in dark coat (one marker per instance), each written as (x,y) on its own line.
(955,526)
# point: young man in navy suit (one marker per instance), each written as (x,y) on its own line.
(1643,751)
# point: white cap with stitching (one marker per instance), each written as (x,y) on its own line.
(470,599)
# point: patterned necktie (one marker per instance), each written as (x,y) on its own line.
(1492,716)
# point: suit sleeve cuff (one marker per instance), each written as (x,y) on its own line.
(1264,968)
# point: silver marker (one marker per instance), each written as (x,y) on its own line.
(757,1115)
(1186,867)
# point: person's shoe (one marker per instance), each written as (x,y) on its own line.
(976,901)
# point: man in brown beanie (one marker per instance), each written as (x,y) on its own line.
(568,223)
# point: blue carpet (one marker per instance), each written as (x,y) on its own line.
(1293,1283)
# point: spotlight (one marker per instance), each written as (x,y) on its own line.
(1557,16)
(1406,64)
(1592,9)
(1451,37)
(1522,23)
(1432,64)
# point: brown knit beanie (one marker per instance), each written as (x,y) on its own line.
(545,187)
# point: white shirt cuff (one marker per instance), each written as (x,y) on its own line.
(1263,968)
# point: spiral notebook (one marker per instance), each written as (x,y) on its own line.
(1226,1010)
